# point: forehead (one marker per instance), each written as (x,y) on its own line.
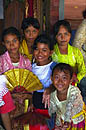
(63,28)
(39,44)
(59,71)
(31,28)
(10,36)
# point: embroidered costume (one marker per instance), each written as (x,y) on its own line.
(71,110)
(6,64)
(73,58)
(19,94)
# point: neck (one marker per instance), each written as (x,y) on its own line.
(29,47)
(62,95)
(14,57)
(63,49)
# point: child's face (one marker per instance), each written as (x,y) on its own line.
(42,54)
(12,43)
(61,80)
(63,36)
(31,34)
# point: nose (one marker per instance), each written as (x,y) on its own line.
(39,52)
(60,80)
(63,36)
(11,43)
(31,34)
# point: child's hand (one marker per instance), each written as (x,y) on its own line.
(46,98)
(65,125)
(58,127)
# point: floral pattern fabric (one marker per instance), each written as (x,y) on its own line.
(67,109)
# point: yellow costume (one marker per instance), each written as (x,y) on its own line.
(73,58)
(24,50)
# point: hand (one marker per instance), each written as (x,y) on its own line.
(46,98)
(65,125)
(58,127)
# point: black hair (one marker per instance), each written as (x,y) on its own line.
(84,13)
(59,23)
(11,30)
(63,67)
(30,21)
(43,38)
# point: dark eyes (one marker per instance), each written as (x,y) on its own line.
(13,41)
(60,34)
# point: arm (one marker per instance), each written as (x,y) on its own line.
(46,95)
(80,64)
(6,121)
(80,35)
(74,104)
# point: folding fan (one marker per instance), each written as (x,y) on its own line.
(22,78)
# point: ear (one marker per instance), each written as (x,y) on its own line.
(51,52)
(71,81)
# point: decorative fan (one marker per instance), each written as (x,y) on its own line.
(22,78)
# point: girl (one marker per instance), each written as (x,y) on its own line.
(11,59)
(65,53)
(66,101)
(30,27)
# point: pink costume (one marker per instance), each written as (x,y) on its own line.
(6,64)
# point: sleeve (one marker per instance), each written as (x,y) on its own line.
(80,64)
(27,64)
(80,35)
(74,104)
(52,109)
(9,105)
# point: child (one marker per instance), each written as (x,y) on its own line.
(6,103)
(42,67)
(65,53)
(66,101)
(11,59)
(30,27)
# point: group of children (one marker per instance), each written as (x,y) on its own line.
(53,68)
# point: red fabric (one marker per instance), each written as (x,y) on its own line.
(9,105)
(40,127)
(30,12)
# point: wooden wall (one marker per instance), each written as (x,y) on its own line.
(73,11)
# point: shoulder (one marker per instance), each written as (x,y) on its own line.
(73,91)
(53,65)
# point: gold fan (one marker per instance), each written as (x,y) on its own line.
(23,78)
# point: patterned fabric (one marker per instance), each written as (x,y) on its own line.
(19,98)
(6,64)
(73,58)
(80,39)
(3,89)
(66,110)
(24,50)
